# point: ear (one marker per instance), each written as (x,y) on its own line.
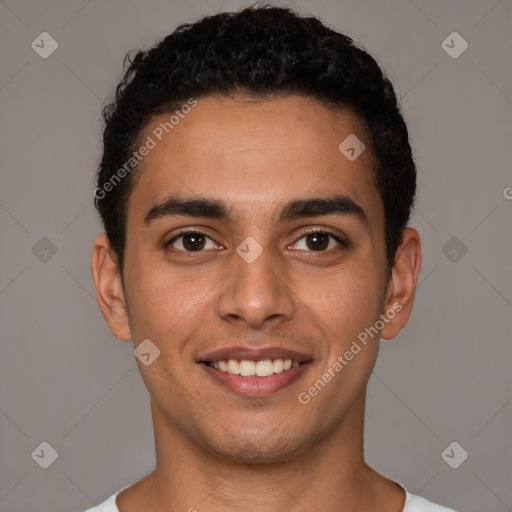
(402,284)
(109,288)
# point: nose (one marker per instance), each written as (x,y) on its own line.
(257,292)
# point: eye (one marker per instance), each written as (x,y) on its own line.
(319,240)
(192,241)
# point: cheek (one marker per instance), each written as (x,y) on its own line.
(162,299)
(347,306)
(346,301)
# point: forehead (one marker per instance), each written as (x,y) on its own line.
(254,154)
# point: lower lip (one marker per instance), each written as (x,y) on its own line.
(256,386)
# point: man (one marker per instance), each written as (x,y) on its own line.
(255,188)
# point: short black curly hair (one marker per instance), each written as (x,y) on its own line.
(262,51)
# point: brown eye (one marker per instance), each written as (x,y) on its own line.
(319,241)
(194,242)
(191,241)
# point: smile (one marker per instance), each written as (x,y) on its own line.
(247,368)
(255,378)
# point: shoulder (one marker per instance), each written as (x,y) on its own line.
(110,504)
(107,506)
(415,503)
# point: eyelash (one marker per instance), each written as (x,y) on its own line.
(340,241)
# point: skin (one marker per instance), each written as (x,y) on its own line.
(215,450)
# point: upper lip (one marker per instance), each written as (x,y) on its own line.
(253,354)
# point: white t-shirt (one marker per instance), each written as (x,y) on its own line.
(413,503)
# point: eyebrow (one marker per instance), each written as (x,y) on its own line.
(216,209)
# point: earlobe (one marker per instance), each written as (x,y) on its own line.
(402,283)
(109,288)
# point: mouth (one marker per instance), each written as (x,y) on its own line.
(247,368)
(255,372)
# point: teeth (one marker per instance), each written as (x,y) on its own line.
(278,366)
(247,368)
(233,367)
(264,368)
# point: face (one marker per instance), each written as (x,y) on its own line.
(256,268)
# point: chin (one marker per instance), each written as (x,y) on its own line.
(263,449)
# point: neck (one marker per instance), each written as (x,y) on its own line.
(329,475)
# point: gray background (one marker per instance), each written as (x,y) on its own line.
(67,381)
